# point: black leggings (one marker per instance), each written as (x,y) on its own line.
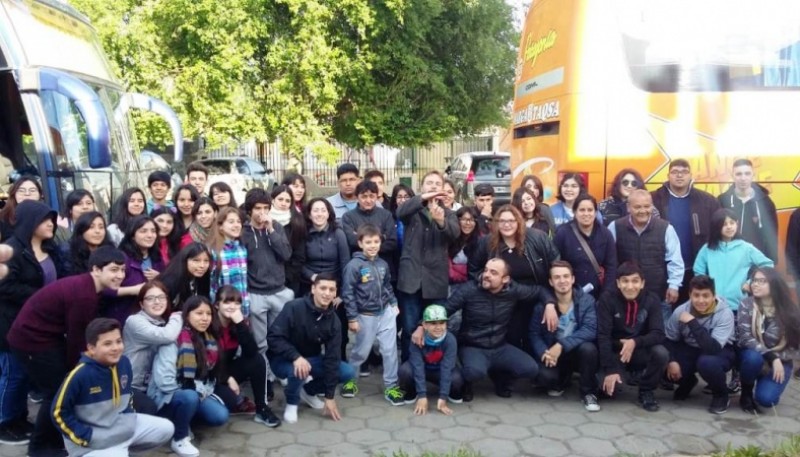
(243,368)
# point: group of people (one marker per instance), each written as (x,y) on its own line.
(133,329)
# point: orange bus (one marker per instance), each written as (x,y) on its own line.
(606,84)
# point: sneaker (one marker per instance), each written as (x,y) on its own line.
(311,400)
(184,448)
(749,405)
(455,398)
(24,426)
(35,397)
(684,388)
(648,401)
(394,395)
(555,392)
(12,435)
(590,403)
(284,382)
(364,370)
(290,414)
(666,384)
(466,393)
(635,377)
(267,417)
(409,398)
(245,408)
(735,386)
(349,389)
(719,404)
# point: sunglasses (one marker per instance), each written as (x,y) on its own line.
(630,183)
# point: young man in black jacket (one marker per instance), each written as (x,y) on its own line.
(630,334)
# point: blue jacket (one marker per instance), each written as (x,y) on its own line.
(585,331)
(604,248)
(441,358)
(729,265)
(92,409)
(366,286)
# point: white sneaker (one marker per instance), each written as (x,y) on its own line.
(311,400)
(184,448)
(284,382)
(290,414)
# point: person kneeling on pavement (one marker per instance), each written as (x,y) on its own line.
(435,361)
(700,336)
(571,347)
(630,335)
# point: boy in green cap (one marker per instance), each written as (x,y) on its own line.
(435,361)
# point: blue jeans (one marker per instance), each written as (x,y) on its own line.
(767,392)
(180,410)
(213,412)
(13,388)
(284,368)
(411,307)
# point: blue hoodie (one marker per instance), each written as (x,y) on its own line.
(729,265)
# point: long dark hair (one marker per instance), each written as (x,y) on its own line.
(174,237)
(73,198)
(291,178)
(9,212)
(393,200)
(465,240)
(78,248)
(297,228)
(128,244)
(328,206)
(178,279)
(198,340)
(536,183)
(223,187)
(120,214)
(516,200)
(786,309)
(715,229)
(615,185)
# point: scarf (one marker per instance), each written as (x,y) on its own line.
(434,342)
(187,359)
(281,217)
(198,233)
(710,311)
(759,319)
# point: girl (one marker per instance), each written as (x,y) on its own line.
(297,184)
(228,256)
(294,226)
(533,183)
(240,351)
(89,233)
(129,205)
(571,186)
(184,198)
(400,195)
(537,215)
(462,248)
(25,188)
(169,236)
(144,332)
(222,194)
(78,202)
(616,205)
(188,274)
(449,199)
(204,212)
(769,339)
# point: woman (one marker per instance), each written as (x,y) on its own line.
(144,332)
(593,256)
(25,188)
(571,186)
(727,258)
(89,233)
(184,197)
(204,213)
(169,235)
(533,183)
(769,340)
(616,206)
(242,358)
(228,256)
(297,184)
(449,200)
(294,226)
(188,274)
(78,202)
(222,194)
(465,245)
(129,205)
(536,214)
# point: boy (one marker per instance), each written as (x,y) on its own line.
(159,183)
(93,409)
(197,176)
(371,311)
(434,361)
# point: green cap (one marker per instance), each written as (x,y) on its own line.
(434,313)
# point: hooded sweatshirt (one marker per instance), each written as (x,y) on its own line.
(757,218)
(730,265)
(266,255)
(709,333)
(366,286)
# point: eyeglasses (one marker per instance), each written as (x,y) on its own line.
(27,191)
(155,299)
(506,221)
(402,197)
(759,281)
(630,183)
(467,220)
(677,172)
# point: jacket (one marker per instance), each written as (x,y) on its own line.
(236,340)
(485,317)
(25,275)
(585,331)
(339,206)
(326,250)
(793,245)
(378,217)
(266,255)
(757,218)
(366,286)
(164,376)
(424,262)
(302,330)
(561,216)
(710,334)
(540,251)
(770,333)
(702,205)
(730,265)
(441,358)
(617,318)
(604,248)
(120,308)
(92,408)
(142,335)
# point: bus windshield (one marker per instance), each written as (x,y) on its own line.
(712,45)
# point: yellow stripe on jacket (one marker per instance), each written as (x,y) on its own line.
(59,405)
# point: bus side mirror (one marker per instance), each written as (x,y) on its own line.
(154,105)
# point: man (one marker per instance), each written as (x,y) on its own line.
(197,176)
(571,346)
(653,244)
(484,199)
(422,277)
(48,334)
(345,200)
(377,177)
(159,183)
(630,333)
(368,212)
(754,209)
(296,338)
(688,211)
(487,306)
(700,338)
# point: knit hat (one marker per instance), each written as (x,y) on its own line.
(434,313)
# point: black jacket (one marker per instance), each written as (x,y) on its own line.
(604,248)
(540,251)
(757,218)
(378,217)
(266,255)
(702,206)
(485,317)
(301,330)
(326,251)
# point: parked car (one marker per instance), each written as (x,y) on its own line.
(472,168)
(241,173)
(151,161)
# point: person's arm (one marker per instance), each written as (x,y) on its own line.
(477,261)
(349,280)
(674,260)
(343,249)
(11,289)
(655,327)
(700,266)
(349,227)
(672,327)
(457,300)
(279,243)
(62,411)
(418,369)
(586,330)
(532,294)
(536,331)
(331,359)
(279,335)
(745,336)
(609,361)
(711,343)
(757,258)
(451,229)
(611,261)
(138,328)
(410,208)
(388,235)
(246,339)
(450,347)
(770,230)
(165,369)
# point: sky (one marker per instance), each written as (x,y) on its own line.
(520,9)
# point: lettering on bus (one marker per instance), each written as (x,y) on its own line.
(535,113)
(534,47)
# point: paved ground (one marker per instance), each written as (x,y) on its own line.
(529,423)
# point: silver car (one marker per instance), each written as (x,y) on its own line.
(472,168)
(241,173)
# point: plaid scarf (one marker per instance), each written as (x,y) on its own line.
(187,359)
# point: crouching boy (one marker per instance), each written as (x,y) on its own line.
(93,409)
(435,361)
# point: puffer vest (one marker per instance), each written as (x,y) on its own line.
(648,249)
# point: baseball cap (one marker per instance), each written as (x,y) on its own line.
(434,313)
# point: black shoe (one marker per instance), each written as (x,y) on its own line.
(409,397)
(648,401)
(35,397)
(11,435)
(270,392)
(634,377)
(719,404)
(666,384)
(684,388)
(364,370)
(466,392)
(267,417)
(24,426)
(749,405)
